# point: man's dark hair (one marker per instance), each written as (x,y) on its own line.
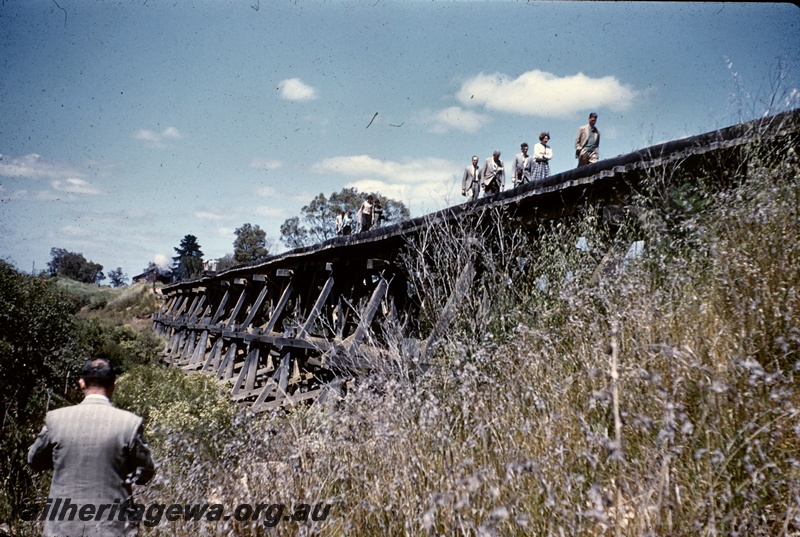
(593,114)
(99,372)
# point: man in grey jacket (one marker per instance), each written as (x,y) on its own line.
(523,166)
(587,143)
(96,452)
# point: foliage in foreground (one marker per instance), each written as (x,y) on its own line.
(170,400)
(37,358)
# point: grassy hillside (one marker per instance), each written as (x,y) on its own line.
(130,304)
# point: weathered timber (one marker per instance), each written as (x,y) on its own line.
(463,285)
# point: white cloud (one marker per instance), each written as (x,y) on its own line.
(265,164)
(27,195)
(423,170)
(421,181)
(212,216)
(34,166)
(267,191)
(158,139)
(538,93)
(294,89)
(219,222)
(110,218)
(171,132)
(66,181)
(75,185)
(74,231)
(147,135)
(457,118)
(392,190)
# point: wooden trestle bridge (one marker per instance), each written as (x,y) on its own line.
(301,324)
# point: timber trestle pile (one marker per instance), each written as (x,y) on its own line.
(300,325)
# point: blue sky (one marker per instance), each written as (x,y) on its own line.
(125,125)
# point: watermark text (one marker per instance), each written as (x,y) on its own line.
(270,514)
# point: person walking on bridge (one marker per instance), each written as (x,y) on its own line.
(522,166)
(96,452)
(494,177)
(377,214)
(472,179)
(587,143)
(365,213)
(542,153)
(347,223)
(339,222)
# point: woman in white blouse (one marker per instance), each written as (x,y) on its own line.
(542,153)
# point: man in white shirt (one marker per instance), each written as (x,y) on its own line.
(472,179)
(522,166)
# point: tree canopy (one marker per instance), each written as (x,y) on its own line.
(317,221)
(250,245)
(293,235)
(189,261)
(75,266)
(117,277)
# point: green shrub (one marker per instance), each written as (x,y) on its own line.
(125,346)
(172,401)
(40,356)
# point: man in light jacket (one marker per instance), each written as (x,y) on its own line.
(587,142)
(494,177)
(96,452)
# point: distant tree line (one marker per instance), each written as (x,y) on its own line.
(316,223)
(75,266)
(250,246)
